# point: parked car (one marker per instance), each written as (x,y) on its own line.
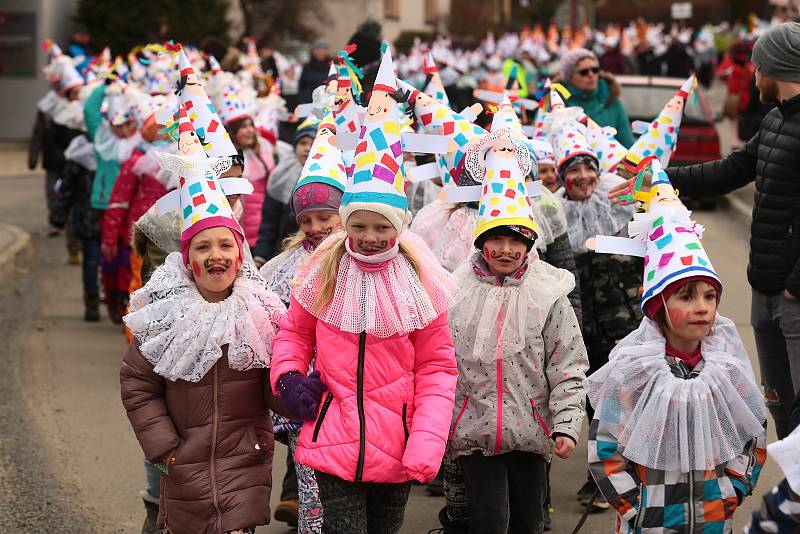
(643,98)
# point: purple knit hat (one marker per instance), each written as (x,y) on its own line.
(572,58)
(315,196)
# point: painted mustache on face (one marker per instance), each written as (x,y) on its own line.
(319,235)
(380,245)
(495,255)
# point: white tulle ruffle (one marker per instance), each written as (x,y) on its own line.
(674,424)
(476,309)
(386,302)
(592,217)
(182,334)
(281,270)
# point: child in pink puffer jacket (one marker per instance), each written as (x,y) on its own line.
(371,308)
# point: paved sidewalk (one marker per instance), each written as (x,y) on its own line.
(13,239)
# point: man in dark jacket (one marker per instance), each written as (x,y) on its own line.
(315,71)
(772,159)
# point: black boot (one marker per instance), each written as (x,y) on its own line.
(149,526)
(91,302)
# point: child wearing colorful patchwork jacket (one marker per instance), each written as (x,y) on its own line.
(678,437)
(520,354)
(371,309)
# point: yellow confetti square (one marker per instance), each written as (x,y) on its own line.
(494,201)
(490,173)
(512,209)
(367,158)
(440,113)
(391,128)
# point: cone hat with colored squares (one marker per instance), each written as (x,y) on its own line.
(660,138)
(433,86)
(504,197)
(570,140)
(347,87)
(506,117)
(673,247)
(434,115)
(324,163)
(216,141)
(378,172)
(202,203)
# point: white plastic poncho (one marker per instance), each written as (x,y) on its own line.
(673,424)
(182,334)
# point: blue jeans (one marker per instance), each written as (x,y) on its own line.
(152,480)
(776,325)
(91,264)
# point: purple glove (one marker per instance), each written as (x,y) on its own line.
(301,394)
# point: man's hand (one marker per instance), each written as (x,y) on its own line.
(109,251)
(564,447)
(788,296)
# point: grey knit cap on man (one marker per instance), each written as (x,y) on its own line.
(777,52)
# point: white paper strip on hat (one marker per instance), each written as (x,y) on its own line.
(346,140)
(606,244)
(169,202)
(304,110)
(236,186)
(472,193)
(639,127)
(468,114)
(425,143)
(421,173)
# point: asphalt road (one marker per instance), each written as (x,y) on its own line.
(69,462)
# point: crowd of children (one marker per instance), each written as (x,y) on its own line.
(284,293)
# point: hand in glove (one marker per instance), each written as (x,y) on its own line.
(302,394)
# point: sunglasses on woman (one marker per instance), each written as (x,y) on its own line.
(586,71)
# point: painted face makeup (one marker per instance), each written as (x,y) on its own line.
(370,233)
(317,225)
(504,254)
(214,262)
(580,181)
(689,314)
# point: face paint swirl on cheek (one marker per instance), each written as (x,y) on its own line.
(196,268)
(392,241)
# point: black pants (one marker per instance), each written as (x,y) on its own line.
(361,507)
(505,492)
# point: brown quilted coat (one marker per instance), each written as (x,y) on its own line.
(218,434)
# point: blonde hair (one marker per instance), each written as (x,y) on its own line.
(293,241)
(329,270)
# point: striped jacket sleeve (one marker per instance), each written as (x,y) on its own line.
(745,469)
(614,474)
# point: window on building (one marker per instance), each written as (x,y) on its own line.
(391,9)
(431,11)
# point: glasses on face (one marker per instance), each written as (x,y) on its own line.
(587,70)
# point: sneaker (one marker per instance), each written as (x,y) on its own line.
(586,491)
(286,512)
(599,504)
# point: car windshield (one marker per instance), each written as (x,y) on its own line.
(644,103)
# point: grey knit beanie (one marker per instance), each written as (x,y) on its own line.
(572,58)
(777,52)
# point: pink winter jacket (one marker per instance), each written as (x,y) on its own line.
(257,167)
(387,410)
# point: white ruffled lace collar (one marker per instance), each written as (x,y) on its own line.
(182,334)
(385,302)
(674,424)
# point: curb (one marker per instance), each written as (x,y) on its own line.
(741,211)
(20,242)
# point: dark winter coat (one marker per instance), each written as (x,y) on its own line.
(51,140)
(277,223)
(314,73)
(770,159)
(217,435)
(74,194)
